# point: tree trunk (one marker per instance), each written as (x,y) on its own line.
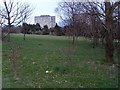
(24,34)
(73,39)
(9,34)
(109,48)
(94,30)
(8,18)
(95,41)
(103,36)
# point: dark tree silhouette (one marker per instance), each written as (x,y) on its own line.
(58,30)
(45,30)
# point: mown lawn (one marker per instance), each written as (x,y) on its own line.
(68,66)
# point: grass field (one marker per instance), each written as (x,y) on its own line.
(68,66)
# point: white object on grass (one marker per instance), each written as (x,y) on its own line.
(46,71)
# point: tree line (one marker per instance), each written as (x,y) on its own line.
(37,29)
(98,20)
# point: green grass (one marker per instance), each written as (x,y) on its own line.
(69,66)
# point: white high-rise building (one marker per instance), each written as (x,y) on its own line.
(45,20)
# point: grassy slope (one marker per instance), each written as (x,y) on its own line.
(70,66)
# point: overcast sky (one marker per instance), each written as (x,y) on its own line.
(41,7)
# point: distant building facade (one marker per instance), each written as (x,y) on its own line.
(45,20)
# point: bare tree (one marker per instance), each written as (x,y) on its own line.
(14,13)
(104,11)
(109,22)
(24,28)
(1,24)
(68,11)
